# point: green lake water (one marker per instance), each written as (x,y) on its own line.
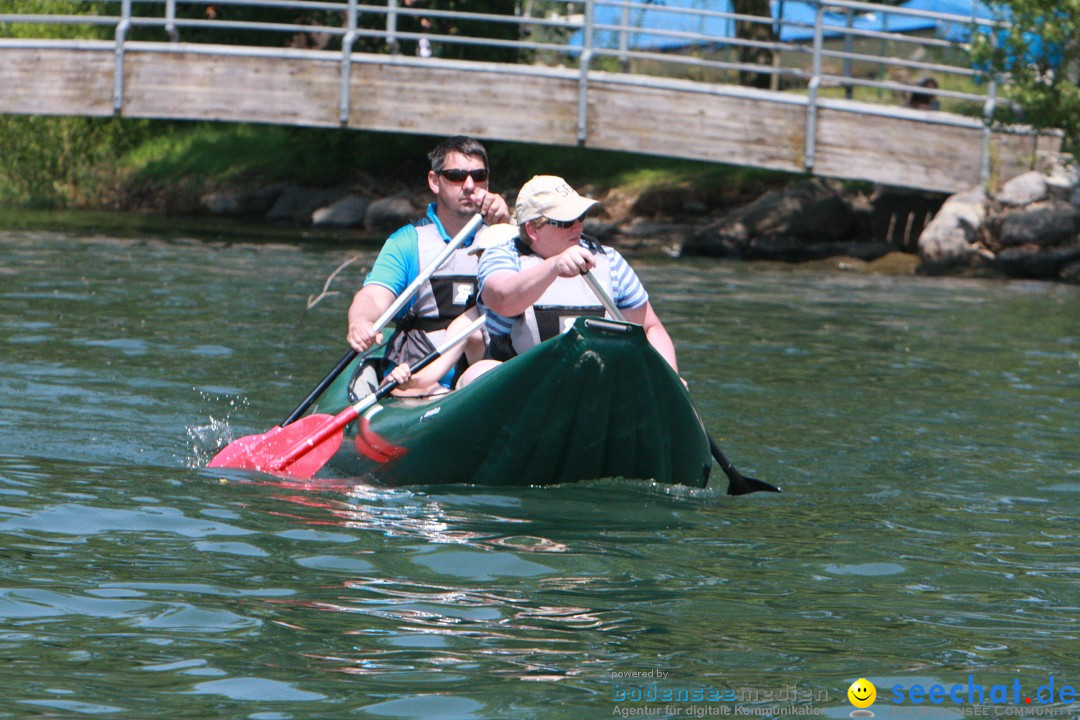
(924,431)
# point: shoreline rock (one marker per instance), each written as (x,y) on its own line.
(1029,229)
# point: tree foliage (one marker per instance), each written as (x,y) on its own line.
(64,161)
(440,25)
(1038,52)
(54,30)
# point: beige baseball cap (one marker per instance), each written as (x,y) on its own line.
(489,236)
(551,197)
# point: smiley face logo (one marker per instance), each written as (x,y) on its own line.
(862,693)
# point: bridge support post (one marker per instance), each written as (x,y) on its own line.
(391,27)
(624,39)
(985,166)
(812,91)
(346,63)
(170,21)
(118,68)
(583,75)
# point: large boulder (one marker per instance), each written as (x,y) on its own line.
(809,210)
(1033,261)
(1044,224)
(1028,230)
(296,203)
(1025,189)
(952,236)
(242,201)
(1062,174)
(390,213)
(344,212)
(781,222)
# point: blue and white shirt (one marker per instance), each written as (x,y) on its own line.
(627,290)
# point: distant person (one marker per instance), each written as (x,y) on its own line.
(459,180)
(925,100)
(532,287)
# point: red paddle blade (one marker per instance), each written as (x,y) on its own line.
(240,453)
(368,451)
(268,451)
(381,446)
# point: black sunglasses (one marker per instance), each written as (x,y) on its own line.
(565,224)
(457,175)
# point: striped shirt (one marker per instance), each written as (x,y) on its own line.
(627,290)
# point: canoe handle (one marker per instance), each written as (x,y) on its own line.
(609,326)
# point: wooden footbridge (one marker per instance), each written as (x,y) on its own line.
(386,68)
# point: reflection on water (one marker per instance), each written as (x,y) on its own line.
(923,430)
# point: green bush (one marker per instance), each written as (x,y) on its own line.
(65,161)
(64,31)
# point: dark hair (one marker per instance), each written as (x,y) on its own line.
(459,144)
(924,99)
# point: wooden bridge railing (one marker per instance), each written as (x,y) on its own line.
(617,77)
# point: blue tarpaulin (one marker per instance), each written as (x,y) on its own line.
(793,19)
(662,15)
(799,17)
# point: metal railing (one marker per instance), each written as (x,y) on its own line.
(824,53)
(806,48)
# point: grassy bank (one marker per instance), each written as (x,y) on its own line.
(122,164)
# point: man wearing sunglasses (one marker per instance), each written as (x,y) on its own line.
(459,180)
(532,287)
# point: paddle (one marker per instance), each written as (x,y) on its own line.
(301,449)
(387,316)
(738,484)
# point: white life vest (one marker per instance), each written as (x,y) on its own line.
(562,303)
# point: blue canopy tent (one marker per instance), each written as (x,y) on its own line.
(673,25)
(697,17)
(794,19)
(953,31)
(799,18)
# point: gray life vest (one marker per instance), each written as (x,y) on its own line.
(450,291)
(562,303)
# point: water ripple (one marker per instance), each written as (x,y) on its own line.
(923,430)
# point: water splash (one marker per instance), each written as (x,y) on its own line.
(204,441)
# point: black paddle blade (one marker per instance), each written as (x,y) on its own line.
(738,484)
(746,485)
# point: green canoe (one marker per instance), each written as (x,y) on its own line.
(594,402)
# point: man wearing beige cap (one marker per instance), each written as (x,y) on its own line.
(532,287)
